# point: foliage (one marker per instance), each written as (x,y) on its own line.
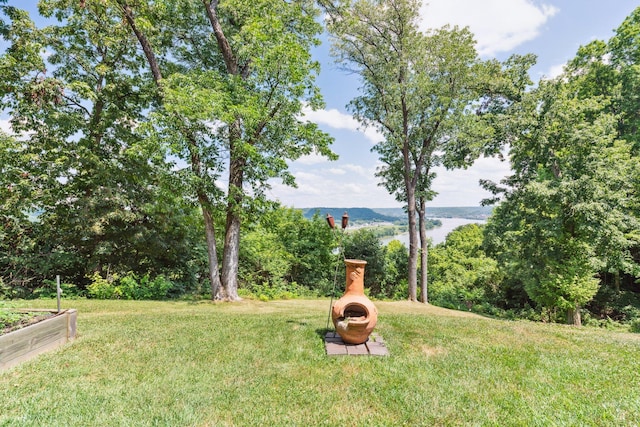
(284,250)
(395,284)
(233,81)
(570,210)
(81,191)
(462,276)
(100,130)
(9,317)
(49,289)
(103,288)
(547,221)
(282,291)
(363,244)
(385,272)
(619,305)
(129,287)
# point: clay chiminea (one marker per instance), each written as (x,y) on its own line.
(354,315)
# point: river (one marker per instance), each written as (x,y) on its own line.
(438,234)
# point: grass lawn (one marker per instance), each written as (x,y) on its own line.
(263,364)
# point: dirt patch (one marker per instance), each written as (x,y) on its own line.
(432,351)
(27,320)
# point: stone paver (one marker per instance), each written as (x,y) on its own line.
(374,346)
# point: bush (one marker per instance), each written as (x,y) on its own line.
(143,288)
(283,290)
(630,313)
(129,287)
(635,326)
(101,288)
(5,290)
(49,289)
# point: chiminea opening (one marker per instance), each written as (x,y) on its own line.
(355,312)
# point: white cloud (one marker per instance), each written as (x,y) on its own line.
(498,25)
(359,170)
(353,185)
(312,159)
(332,118)
(460,187)
(337,171)
(554,71)
(5,126)
(338,120)
(349,186)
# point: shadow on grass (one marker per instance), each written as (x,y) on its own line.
(322,332)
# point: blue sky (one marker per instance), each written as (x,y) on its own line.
(551,29)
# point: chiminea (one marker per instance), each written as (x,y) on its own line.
(354,315)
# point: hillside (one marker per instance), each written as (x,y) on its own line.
(360,215)
(356,215)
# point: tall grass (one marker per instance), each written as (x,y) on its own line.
(263,363)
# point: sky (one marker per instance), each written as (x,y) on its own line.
(553,30)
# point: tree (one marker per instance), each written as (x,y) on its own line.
(564,198)
(100,193)
(395,268)
(609,70)
(246,69)
(462,275)
(363,244)
(574,150)
(283,248)
(424,93)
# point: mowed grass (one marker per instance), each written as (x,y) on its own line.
(263,363)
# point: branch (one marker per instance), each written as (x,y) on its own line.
(223,43)
(144,42)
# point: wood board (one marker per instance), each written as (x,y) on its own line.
(28,342)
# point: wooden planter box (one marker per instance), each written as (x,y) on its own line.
(28,342)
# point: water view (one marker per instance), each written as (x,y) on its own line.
(438,234)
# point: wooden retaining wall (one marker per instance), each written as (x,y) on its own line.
(23,344)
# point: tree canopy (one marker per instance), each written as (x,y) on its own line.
(429,95)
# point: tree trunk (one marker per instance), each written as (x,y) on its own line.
(209,229)
(203,199)
(573,316)
(209,226)
(230,257)
(231,253)
(413,244)
(424,251)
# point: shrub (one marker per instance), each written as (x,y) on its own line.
(130,287)
(49,290)
(268,291)
(635,326)
(101,288)
(630,313)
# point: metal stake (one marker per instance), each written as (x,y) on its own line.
(58,290)
(344,224)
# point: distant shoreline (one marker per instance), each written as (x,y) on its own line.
(387,214)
